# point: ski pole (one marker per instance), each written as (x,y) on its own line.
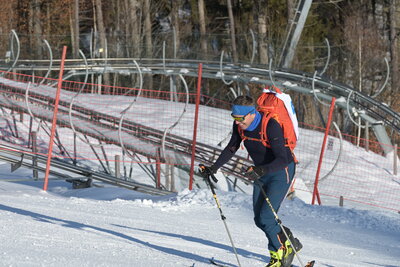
(207,178)
(278,220)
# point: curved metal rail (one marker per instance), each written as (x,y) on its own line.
(377,114)
(322,88)
(104,122)
(65,170)
(243,73)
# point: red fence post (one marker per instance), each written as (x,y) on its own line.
(196,118)
(54,122)
(328,125)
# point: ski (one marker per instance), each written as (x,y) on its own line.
(309,264)
(213,262)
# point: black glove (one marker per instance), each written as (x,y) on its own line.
(254,172)
(206,170)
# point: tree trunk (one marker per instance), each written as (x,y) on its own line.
(175,23)
(37,28)
(117,35)
(75,28)
(48,19)
(135,25)
(202,22)
(232,30)
(148,37)
(127,28)
(393,49)
(261,11)
(203,39)
(103,41)
(147,28)
(290,10)
(100,26)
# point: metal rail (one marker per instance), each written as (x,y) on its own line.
(105,122)
(64,170)
(242,73)
(377,114)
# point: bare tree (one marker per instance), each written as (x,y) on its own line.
(133,24)
(37,28)
(75,28)
(290,10)
(100,25)
(176,4)
(394,47)
(202,22)
(232,30)
(102,35)
(261,11)
(148,36)
(147,28)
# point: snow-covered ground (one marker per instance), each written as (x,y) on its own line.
(109,226)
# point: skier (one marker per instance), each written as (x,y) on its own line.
(274,167)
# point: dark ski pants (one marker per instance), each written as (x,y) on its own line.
(275,185)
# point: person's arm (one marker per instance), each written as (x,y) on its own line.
(277,142)
(229,150)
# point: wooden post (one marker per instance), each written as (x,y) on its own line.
(34,159)
(341,201)
(117,166)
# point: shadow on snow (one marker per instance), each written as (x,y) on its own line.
(81,226)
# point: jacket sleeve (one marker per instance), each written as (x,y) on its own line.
(277,142)
(229,150)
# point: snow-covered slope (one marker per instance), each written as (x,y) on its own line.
(110,226)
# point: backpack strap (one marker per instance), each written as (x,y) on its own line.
(264,123)
(263,133)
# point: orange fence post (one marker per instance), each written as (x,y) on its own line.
(196,118)
(328,125)
(54,122)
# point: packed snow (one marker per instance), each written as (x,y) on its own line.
(109,226)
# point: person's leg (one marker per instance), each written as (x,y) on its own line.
(258,202)
(275,186)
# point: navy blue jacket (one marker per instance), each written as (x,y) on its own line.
(272,159)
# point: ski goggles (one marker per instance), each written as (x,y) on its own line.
(239,112)
(239,119)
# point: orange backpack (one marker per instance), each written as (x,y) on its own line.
(277,105)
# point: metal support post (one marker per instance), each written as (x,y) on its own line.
(34,159)
(315,192)
(117,166)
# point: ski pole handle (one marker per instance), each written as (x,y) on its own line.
(207,172)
